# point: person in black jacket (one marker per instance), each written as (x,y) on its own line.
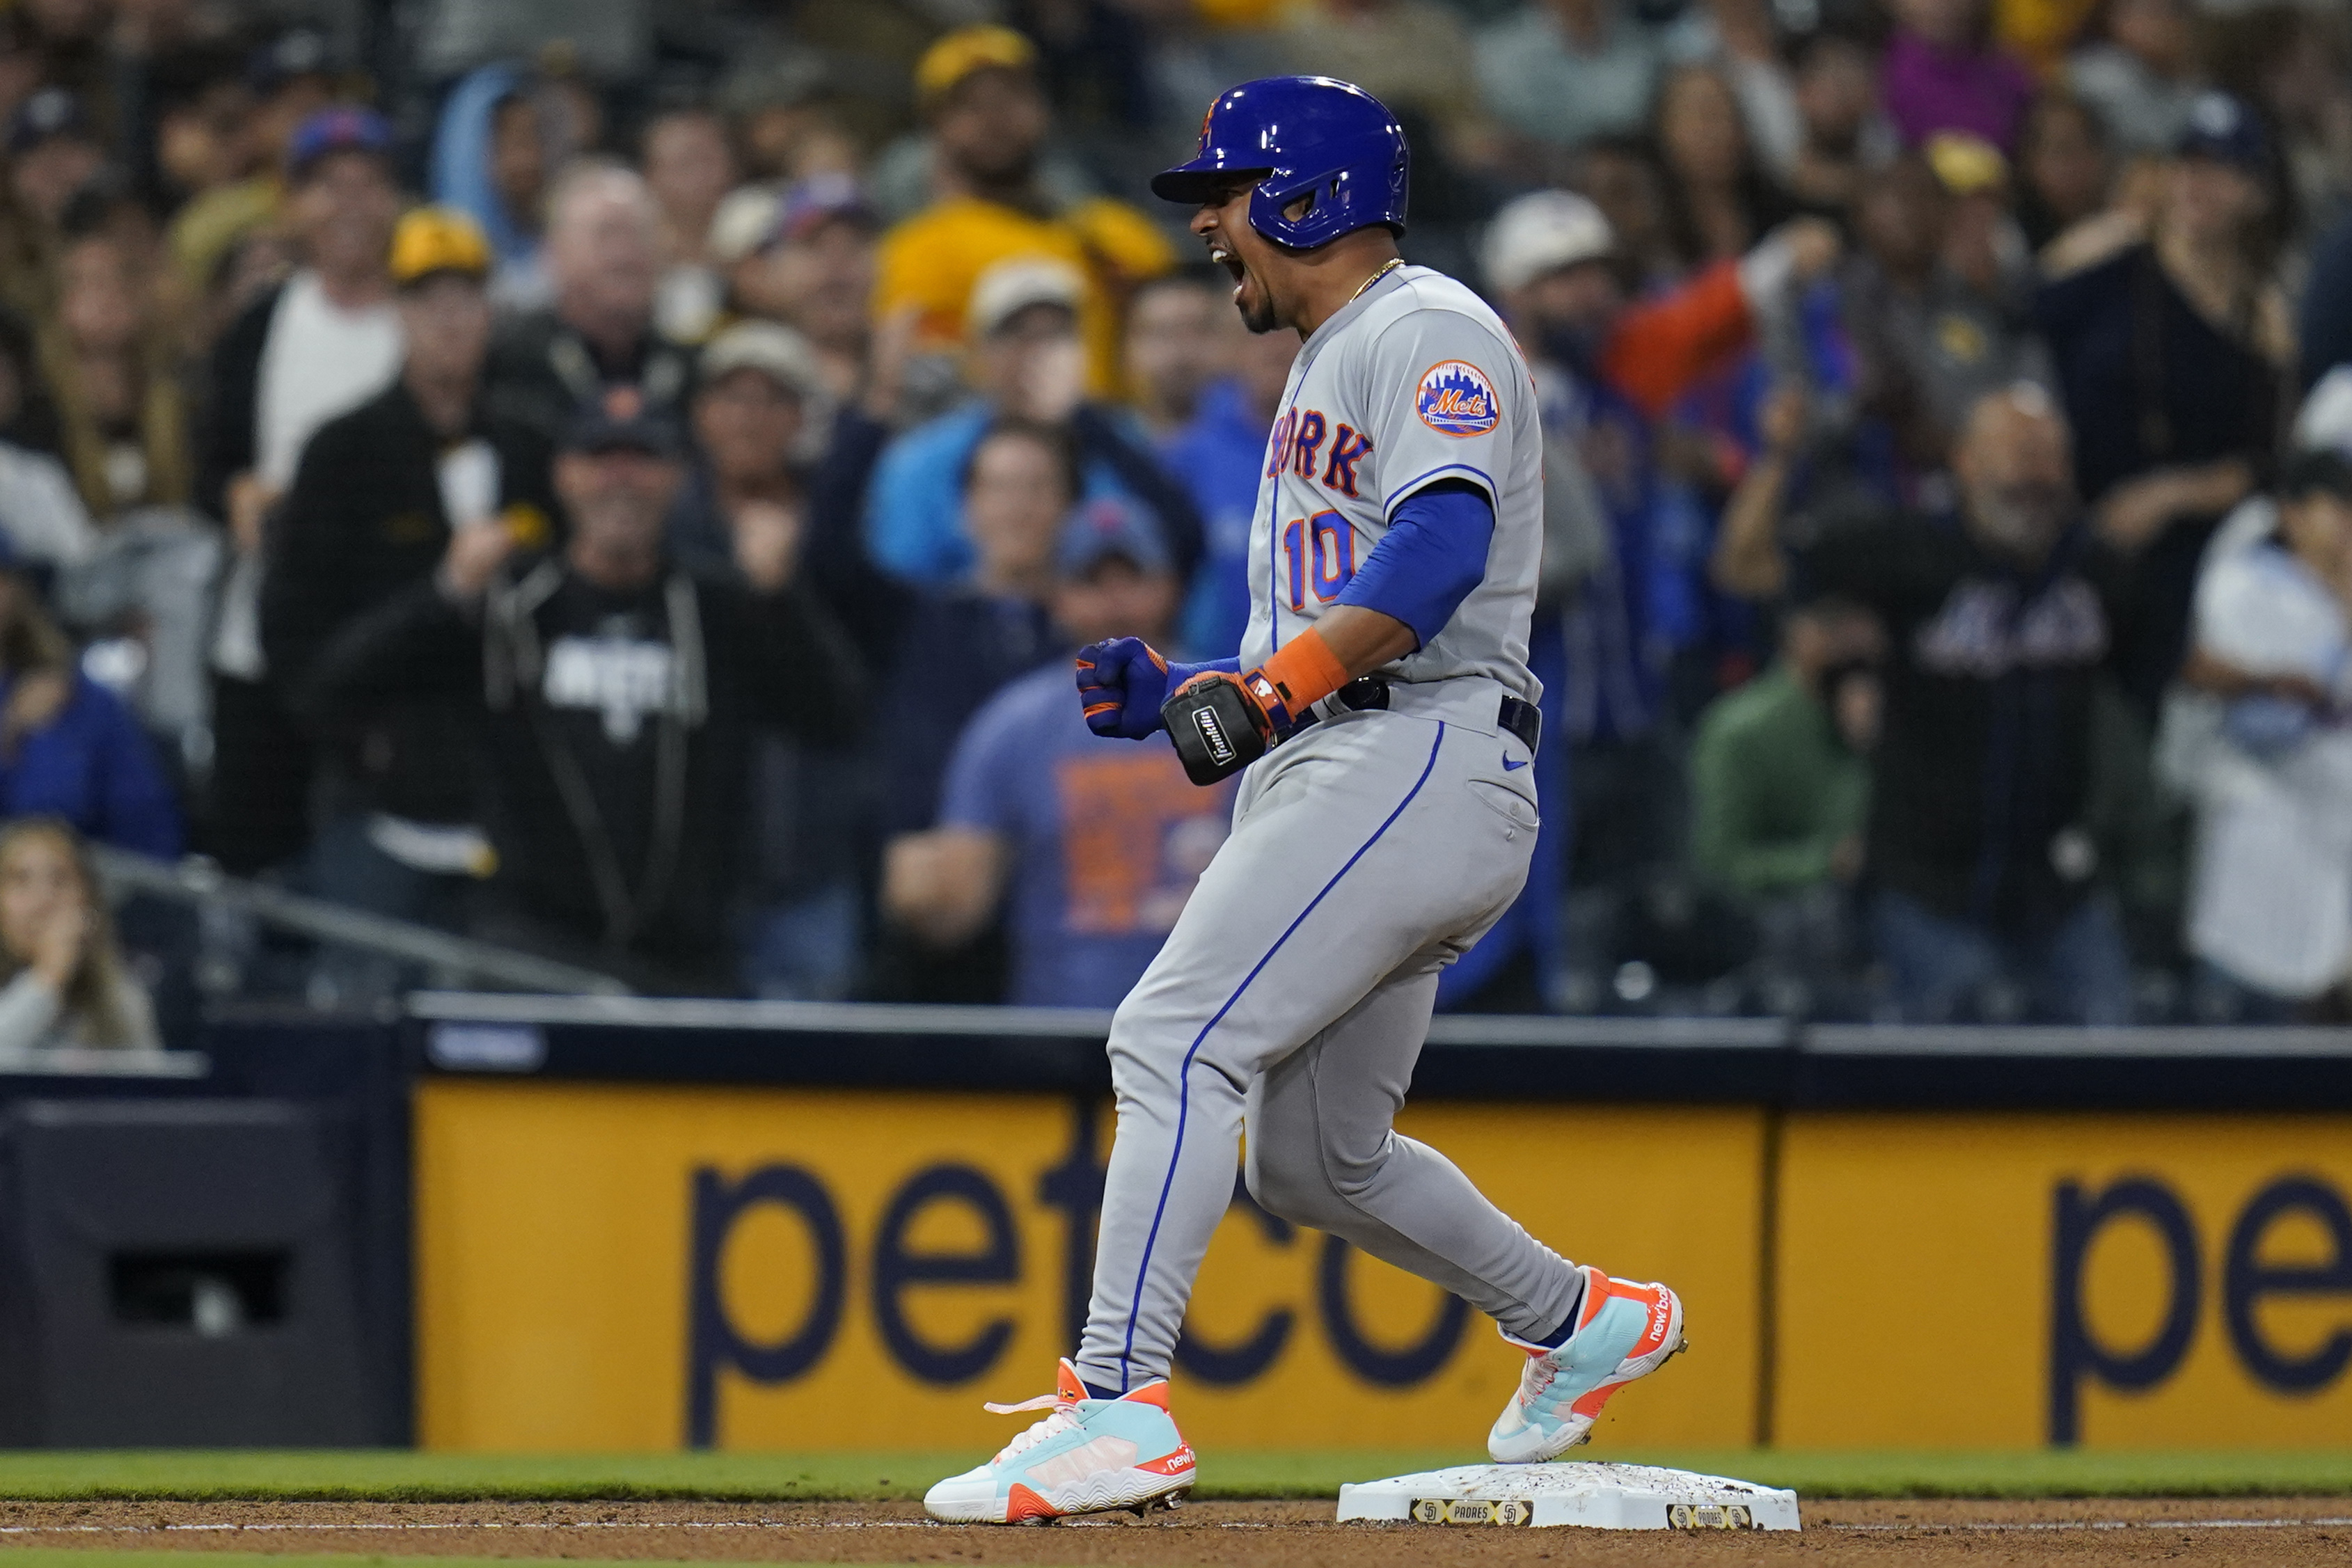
(603,257)
(373,504)
(1983,845)
(619,694)
(319,345)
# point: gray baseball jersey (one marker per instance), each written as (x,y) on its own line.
(1367,853)
(1414,382)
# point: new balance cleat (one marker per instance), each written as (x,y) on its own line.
(1623,1331)
(1089,1455)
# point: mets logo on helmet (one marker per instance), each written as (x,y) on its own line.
(1454,399)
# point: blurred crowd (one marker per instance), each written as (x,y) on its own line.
(623,483)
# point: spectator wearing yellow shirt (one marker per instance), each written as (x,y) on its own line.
(989,119)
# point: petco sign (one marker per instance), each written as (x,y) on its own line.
(2115,1281)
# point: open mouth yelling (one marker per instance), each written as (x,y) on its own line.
(1223,258)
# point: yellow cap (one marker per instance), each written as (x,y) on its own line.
(1967,164)
(968,49)
(437,239)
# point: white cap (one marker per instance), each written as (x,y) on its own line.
(740,224)
(769,347)
(2324,422)
(1543,233)
(1013,284)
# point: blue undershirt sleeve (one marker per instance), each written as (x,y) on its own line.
(1434,554)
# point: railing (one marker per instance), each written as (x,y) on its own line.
(198,885)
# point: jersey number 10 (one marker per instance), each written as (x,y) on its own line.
(1327,538)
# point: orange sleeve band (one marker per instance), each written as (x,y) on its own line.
(1306,671)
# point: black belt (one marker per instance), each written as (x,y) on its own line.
(1369,694)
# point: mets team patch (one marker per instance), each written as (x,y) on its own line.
(1454,399)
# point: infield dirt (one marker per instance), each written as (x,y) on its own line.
(2090,1532)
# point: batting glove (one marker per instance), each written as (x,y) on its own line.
(1124,683)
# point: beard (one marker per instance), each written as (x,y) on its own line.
(1255,303)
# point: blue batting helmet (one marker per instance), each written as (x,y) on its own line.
(1299,136)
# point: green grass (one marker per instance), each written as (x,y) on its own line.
(403,1476)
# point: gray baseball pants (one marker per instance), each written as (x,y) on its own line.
(1292,1000)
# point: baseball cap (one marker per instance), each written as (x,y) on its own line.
(621,420)
(1103,527)
(814,201)
(429,241)
(51,112)
(741,226)
(341,128)
(2222,128)
(1543,233)
(1013,284)
(775,350)
(1967,165)
(297,52)
(965,51)
(2325,418)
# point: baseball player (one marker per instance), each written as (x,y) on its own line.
(1382,717)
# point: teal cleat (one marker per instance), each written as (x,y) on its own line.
(1623,1331)
(1090,1456)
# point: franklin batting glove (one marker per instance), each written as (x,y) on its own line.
(1222,722)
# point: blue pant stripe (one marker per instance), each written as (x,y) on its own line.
(1184,1073)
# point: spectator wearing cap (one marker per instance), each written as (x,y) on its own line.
(618,693)
(1087,849)
(319,345)
(289,79)
(2170,345)
(2141,73)
(2270,914)
(380,493)
(761,413)
(1605,367)
(810,266)
(1943,72)
(1566,72)
(1026,361)
(53,153)
(604,261)
(989,119)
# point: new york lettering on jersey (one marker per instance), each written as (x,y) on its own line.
(1415,383)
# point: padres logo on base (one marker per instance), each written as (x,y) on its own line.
(1454,399)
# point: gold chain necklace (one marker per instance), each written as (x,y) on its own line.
(1386,267)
